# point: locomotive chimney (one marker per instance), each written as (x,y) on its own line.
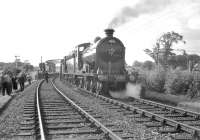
(109,32)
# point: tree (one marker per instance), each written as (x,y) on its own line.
(178,61)
(181,61)
(28,67)
(172,62)
(97,39)
(149,65)
(11,67)
(163,48)
(137,64)
(193,58)
(154,53)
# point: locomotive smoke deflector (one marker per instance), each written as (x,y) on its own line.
(109,32)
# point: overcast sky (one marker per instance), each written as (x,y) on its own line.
(49,28)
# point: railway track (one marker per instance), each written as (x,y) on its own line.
(51,115)
(181,124)
(186,121)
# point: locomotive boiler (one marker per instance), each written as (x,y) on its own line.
(98,67)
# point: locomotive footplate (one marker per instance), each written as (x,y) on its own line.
(112,78)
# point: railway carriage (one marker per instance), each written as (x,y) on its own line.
(98,67)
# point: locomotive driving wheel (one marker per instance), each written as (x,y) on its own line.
(81,85)
(86,84)
(99,87)
(91,85)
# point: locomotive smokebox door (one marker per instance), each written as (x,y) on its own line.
(110,60)
(110,54)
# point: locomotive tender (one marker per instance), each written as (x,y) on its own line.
(98,67)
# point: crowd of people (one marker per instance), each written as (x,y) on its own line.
(9,82)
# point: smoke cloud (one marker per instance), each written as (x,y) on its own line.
(132,90)
(143,7)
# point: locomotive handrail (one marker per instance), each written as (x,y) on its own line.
(82,74)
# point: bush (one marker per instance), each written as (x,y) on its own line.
(153,80)
(178,82)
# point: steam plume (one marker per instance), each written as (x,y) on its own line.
(132,90)
(143,7)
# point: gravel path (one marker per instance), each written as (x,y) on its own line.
(4,100)
(139,131)
(11,117)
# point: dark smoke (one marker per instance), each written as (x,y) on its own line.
(143,7)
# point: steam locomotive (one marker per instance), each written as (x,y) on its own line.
(98,67)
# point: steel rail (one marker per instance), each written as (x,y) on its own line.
(178,125)
(41,126)
(180,110)
(107,131)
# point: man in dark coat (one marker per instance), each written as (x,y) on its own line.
(29,78)
(6,83)
(14,82)
(21,80)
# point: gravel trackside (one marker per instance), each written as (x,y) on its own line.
(11,117)
(4,100)
(130,127)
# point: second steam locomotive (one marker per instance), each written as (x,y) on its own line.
(98,67)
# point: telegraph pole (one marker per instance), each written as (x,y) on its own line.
(16,61)
(41,59)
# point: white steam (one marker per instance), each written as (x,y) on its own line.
(143,7)
(132,90)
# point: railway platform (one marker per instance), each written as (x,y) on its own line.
(4,100)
